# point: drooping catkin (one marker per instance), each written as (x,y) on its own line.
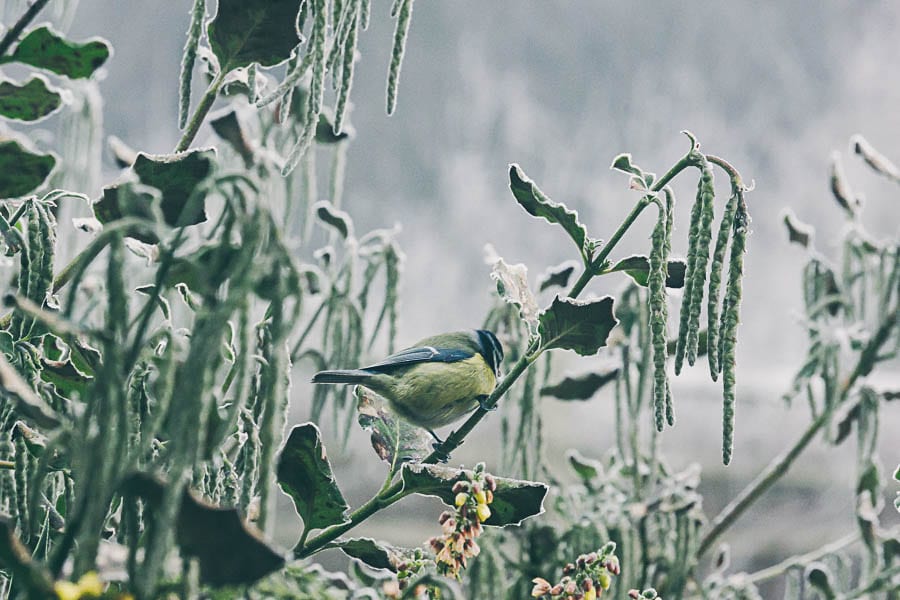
(730,320)
(316,89)
(715,282)
(687,292)
(670,407)
(187,61)
(347,70)
(366,13)
(705,196)
(403,11)
(656,286)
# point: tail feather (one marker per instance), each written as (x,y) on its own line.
(342,376)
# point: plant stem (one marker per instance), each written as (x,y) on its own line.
(7,465)
(780,465)
(802,559)
(13,34)
(200,112)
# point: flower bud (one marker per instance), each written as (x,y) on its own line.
(479,468)
(489,495)
(612,565)
(571,587)
(568,569)
(541,587)
(587,584)
(591,558)
(460,486)
(483,512)
(580,561)
(444,516)
(490,483)
(634,594)
(556,590)
(461,498)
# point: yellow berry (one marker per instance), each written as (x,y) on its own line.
(461,498)
(604,580)
(483,512)
(90,584)
(481,497)
(66,590)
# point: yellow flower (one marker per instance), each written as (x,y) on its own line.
(483,512)
(66,590)
(89,586)
(591,594)
(461,498)
(481,497)
(604,580)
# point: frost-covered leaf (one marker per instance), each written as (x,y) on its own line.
(336,218)
(177,176)
(582,326)
(875,159)
(29,102)
(840,187)
(537,204)
(228,551)
(512,285)
(394,439)
(47,49)
(67,378)
(27,402)
(514,499)
(582,387)
(304,474)
(376,554)
(254,31)
(798,231)
(130,199)
(123,155)
(586,468)
(22,171)
(638,268)
(228,126)
(820,578)
(557,276)
(641,180)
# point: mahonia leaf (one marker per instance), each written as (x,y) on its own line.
(338,219)
(228,551)
(638,268)
(376,554)
(177,176)
(304,474)
(22,171)
(557,276)
(254,31)
(582,387)
(539,205)
(47,49)
(29,102)
(514,500)
(798,231)
(395,440)
(582,326)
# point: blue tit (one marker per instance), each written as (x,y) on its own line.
(435,382)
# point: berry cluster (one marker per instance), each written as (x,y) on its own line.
(462,526)
(585,579)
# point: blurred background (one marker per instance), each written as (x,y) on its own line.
(561,88)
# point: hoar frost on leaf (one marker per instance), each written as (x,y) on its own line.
(512,285)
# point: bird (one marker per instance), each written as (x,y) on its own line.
(436,381)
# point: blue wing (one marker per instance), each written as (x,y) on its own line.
(422,354)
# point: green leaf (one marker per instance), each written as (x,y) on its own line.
(228,550)
(580,388)
(798,231)
(130,199)
(820,578)
(514,500)
(587,469)
(640,180)
(28,102)
(378,555)
(7,344)
(557,276)
(66,377)
(304,474)
(22,171)
(537,204)
(47,49)
(254,31)
(395,440)
(582,326)
(28,404)
(227,126)
(177,176)
(205,269)
(638,268)
(334,217)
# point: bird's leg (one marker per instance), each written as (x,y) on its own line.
(438,447)
(482,400)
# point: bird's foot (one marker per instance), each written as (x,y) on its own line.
(482,402)
(438,445)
